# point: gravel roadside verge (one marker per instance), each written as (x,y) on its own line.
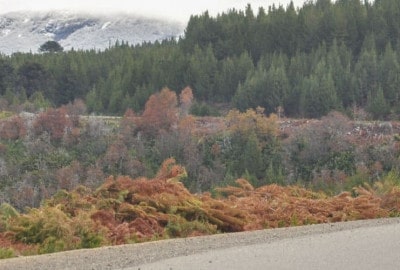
(124,256)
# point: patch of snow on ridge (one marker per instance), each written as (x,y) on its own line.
(5,32)
(105,25)
(79,31)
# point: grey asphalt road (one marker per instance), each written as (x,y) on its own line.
(363,248)
(367,244)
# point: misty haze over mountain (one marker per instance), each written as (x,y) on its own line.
(173,9)
(26,31)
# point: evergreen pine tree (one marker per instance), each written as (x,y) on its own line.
(377,105)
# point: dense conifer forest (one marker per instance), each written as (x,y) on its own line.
(148,141)
(308,61)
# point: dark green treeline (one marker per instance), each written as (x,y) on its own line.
(323,56)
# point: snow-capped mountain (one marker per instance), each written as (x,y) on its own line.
(26,31)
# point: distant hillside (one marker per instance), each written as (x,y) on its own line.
(24,32)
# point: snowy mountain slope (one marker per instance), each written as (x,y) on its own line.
(24,32)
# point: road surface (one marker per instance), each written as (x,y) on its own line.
(373,244)
(364,248)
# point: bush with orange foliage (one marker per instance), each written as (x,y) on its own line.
(53,121)
(160,112)
(276,206)
(12,128)
(185,101)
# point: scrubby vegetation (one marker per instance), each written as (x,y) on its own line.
(62,149)
(56,194)
(123,210)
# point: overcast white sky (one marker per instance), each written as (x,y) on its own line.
(173,9)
